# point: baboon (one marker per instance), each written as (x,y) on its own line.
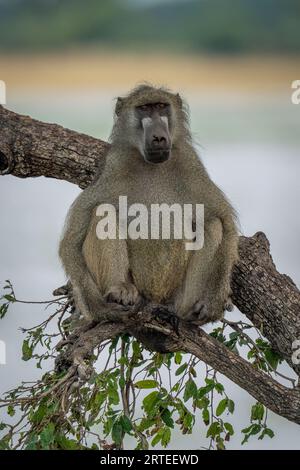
(152,161)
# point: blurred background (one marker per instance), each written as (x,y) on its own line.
(234,62)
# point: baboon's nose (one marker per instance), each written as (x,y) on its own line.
(158,141)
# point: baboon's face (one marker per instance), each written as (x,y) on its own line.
(154,124)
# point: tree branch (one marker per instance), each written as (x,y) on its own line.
(30,148)
(278,398)
(269,299)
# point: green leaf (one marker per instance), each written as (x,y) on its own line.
(167,418)
(269,432)
(188,421)
(181,369)
(156,439)
(221,406)
(209,381)
(123,361)
(146,384)
(3,310)
(220,443)
(122,382)
(178,357)
(255,429)
(10,410)
(229,428)
(99,399)
(230,406)
(39,413)
(31,443)
(166,437)
(108,424)
(125,423)
(202,402)
(4,443)
(272,358)
(9,297)
(219,387)
(213,430)
(150,401)
(67,444)
(114,343)
(117,433)
(250,431)
(204,390)
(145,423)
(266,432)
(247,430)
(47,436)
(257,412)
(205,416)
(136,347)
(113,396)
(26,350)
(190,390)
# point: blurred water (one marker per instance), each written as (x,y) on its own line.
(250,145)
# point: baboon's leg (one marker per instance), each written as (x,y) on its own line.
(108,264)
(218,290)
(205,291)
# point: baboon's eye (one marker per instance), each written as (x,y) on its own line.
(161,105)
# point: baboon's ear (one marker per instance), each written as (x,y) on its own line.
(119,105)
(179,100)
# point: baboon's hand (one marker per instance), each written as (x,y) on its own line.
(124,293)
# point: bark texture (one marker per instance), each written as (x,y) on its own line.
(30,148)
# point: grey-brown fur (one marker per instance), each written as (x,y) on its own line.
(195,283)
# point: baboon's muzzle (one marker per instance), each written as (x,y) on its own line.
(157,139)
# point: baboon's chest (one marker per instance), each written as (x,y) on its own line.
(156,209)
(157,266)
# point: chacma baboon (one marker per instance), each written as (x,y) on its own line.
(152,161)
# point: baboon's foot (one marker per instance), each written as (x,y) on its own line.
(199,313)
(217,306)
(228,304)
(208,311)
(124,293)
(62,290)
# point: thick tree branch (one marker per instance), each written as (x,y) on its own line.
(30,148)
(271,300)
